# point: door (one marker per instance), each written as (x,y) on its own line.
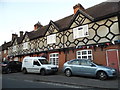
(87,68)
(36,66)
(113,58)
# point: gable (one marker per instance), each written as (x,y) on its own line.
(26,38)
(80,18)
(15,42)
(52,28)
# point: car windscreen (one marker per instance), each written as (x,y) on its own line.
(43,61)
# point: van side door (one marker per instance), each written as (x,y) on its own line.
(36,66)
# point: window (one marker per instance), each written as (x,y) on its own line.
(36,63)
(84,54)
(74,62)
(14,48)
(25,45)
(81,31)
(4,51)
(51,39)
(85,62)
(54,58)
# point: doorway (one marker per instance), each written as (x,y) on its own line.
(112,58)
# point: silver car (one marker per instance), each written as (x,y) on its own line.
(86,67)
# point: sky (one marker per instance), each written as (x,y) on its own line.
(21,15)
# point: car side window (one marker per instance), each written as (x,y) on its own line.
(85,62)
(75,62)
(36,63)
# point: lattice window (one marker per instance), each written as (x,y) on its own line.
(51,39)
(54,58)
(81,31)
(85,54)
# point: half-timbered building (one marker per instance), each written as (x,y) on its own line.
(92,33)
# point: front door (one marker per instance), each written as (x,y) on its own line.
(113,58)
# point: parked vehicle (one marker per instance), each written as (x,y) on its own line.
(11,66)
(38,65)
(86,67)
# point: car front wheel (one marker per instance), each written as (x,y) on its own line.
(102,75)
(68,73)
(8,70)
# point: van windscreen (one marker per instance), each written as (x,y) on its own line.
(43,61)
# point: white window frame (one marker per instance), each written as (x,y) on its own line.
(51,39)
(5,51)
(14,48)
(54,58)
(81,31)
(81,55)
(25,45)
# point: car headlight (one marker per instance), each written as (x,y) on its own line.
(113,70)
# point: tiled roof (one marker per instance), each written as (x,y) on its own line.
(6,45)
(103,9)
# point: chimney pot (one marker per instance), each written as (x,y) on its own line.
(78,7)
(14,36)
(37,25)
(21,33)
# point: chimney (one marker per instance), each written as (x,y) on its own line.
(37,25)
(78,7)
(21,33)
(14,36)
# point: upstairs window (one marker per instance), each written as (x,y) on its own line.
(51,39)
(14,48)
(4,51)
(25,45)
(81,31)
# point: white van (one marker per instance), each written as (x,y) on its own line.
(38,65)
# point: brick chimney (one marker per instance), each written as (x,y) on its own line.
(37,25)
(77,7)
(14,36)
(21,33)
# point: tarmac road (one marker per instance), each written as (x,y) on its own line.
(19,80)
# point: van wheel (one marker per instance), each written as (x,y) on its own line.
(102,75)
(43,72)
(24,71)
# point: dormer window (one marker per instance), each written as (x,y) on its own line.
(51,39)
(81,31)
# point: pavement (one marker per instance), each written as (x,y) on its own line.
(81,81)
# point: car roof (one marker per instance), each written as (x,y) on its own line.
(80,59)
(34,58)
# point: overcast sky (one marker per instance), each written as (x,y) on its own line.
(21,15)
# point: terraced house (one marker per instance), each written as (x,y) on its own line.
(92,33)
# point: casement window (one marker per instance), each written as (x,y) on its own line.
(25,45)
(14,48)
(54,58)
(4,51)
(51,39)
(85,54)
(81,31)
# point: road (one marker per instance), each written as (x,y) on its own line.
(20,80)
(9,81)
(14,83)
